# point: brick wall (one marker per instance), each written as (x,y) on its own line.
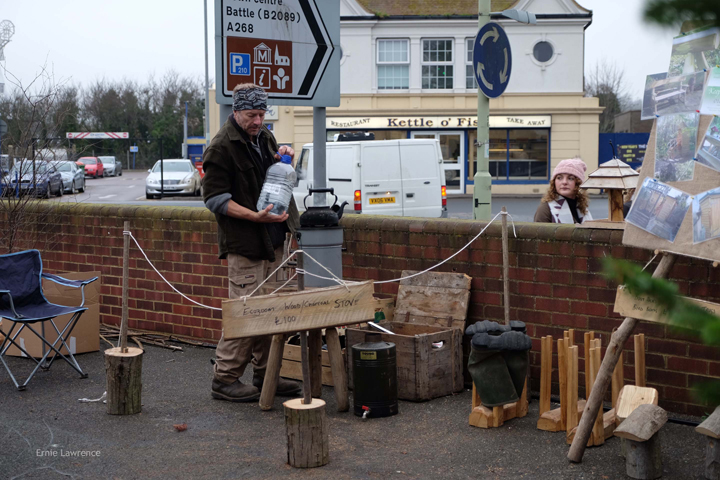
(554,282)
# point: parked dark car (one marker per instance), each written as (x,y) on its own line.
(38,178)
(73,177)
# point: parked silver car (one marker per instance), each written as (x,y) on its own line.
(180,177)
(112,166)
(73,177)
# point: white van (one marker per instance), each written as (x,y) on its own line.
(383,177)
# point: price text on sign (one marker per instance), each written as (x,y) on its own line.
(293,312)
(284,46)
(645,308)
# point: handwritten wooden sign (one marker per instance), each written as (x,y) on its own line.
(297,311)
(645,308)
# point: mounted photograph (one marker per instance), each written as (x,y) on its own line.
(710,104)
(675,142)
(695,51)
(709,153)
(665,96)
(659,209)
(706,215)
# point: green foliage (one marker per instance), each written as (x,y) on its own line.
(682,314)
(674,12)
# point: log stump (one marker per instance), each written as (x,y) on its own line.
(124,380)
(644,459)
(307,433)
(712,459)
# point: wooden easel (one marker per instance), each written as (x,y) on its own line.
(311,349)
(480,415)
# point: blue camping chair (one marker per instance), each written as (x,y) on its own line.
(22,303)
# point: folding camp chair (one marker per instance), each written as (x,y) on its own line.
(23,304)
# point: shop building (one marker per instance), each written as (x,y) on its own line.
(406,72)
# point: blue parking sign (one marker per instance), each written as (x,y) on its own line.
(239,64)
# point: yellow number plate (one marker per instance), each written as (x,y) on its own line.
(382,200)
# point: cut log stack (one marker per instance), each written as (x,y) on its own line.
(643,456)
(711,429)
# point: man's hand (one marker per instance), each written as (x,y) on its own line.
(264,216)
(285,150)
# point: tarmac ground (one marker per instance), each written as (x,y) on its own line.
(46,433)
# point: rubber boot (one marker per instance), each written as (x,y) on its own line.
(516,358)
(486,326)
(489,371)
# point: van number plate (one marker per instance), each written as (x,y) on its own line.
(374,201)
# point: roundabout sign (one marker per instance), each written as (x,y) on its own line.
(492,60)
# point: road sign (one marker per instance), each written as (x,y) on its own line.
(97,135)
(492,60)
(133,149)
(290,48)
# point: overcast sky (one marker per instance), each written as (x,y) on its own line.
(85,40)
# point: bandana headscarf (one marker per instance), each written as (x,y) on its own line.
(253,98)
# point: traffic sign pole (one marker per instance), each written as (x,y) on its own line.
(482,208)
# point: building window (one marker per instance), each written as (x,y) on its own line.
(519,154)
(470,80)
(393,64)
(437,69)
(543,51)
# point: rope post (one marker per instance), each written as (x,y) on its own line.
(506,266)
(126,276)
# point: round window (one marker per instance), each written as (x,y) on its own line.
(543,52)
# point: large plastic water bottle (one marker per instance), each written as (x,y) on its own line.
(278,186)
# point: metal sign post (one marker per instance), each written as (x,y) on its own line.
(492,64)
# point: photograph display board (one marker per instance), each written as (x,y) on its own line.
(703,180)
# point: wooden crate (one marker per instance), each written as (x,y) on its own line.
(292,367)
(423,372)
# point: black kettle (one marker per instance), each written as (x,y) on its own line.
(323,216)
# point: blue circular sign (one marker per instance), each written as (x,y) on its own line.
(492,60)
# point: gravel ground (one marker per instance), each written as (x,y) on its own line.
(43,429)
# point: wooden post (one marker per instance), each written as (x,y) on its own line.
(617,380)
(617,341)
(640,359)
(272,372)
(506,266)
(307,432)
(546,348)
(586,352)
(572,389)
(598,433)
(315,351)
(337,368)
(123,372)
(562,377)
(571,337)
(615,199)
(126,281)
(305,362)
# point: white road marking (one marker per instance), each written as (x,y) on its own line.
(140,198)
(106,196)
(131,186)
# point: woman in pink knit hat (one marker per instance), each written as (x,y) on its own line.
(564,202)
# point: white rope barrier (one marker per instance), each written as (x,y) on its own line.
(334,277)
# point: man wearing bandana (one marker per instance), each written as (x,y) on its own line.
(235,164)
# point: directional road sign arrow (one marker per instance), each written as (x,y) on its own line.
(492,57)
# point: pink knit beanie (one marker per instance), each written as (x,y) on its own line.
(572,166)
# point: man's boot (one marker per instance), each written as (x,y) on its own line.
(490,372)
(515,354)
(234,392)
(285,388)
(487,326)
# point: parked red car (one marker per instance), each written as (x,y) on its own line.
(93,166)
